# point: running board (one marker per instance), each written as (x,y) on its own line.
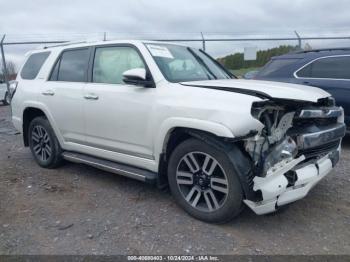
(113,167)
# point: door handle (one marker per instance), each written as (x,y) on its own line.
(306,83)
(91,97)
(48,93)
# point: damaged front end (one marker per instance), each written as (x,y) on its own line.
(298,146)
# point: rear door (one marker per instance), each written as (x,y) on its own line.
(63,93)
(331,73)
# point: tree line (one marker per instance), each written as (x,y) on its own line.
(236,61)
(11,71)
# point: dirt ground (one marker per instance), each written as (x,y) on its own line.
(81,210)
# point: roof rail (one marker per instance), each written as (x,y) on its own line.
(323,49)
(65,43)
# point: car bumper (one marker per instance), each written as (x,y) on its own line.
(275,189)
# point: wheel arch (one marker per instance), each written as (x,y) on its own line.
(174,124)
(29,113)
(176,130)
(232,146)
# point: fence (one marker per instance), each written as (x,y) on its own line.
(202,38)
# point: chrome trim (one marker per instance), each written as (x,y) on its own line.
(91,97)
(317,78)
(311,140)
(320,113)
(104,167)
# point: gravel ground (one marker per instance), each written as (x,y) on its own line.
(81,210)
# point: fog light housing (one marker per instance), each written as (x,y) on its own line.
(287,149)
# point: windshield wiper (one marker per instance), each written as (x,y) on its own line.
(202,63)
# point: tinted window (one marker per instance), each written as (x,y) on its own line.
(33,65)
(73,65)
(275,65)
(111,62)
(331,67)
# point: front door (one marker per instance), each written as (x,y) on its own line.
(118,116)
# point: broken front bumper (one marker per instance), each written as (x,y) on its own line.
(275,187)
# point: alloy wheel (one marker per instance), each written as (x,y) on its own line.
(202,181)
(41,143)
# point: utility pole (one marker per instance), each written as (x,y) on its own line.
(4,64)
(203,41)
(299,39)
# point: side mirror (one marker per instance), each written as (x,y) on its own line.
(138,77)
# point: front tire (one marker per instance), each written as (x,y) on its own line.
(43,143)
(203,182)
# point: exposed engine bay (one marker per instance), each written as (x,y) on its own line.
(295,135)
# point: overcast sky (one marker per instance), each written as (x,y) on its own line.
(83,19)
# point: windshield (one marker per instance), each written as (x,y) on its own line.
(181,64)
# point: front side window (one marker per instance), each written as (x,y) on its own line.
(329,67)
(72,66)
(111,62)
(33,65)
(180,63)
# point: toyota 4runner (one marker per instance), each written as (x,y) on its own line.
(172,115)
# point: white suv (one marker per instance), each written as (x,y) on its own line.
(170,114)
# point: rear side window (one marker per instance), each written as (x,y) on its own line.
(72,66)
(33,65)
(275,65)
(329,67)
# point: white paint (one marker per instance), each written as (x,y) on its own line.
(130,124)
(139,73)
(276,193)
(273,89)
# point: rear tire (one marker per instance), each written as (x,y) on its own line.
(43,143)
(203,182)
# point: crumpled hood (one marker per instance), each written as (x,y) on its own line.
(267,88)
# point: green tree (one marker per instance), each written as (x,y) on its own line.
(236,61)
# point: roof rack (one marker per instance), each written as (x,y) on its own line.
(323,49)
(65,43)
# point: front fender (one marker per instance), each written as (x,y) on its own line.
(171,123)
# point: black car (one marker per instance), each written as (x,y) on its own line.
(328,69)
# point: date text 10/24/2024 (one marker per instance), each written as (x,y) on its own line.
(173,258)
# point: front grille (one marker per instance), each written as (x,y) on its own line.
(300,123)
(320,150)
(317,130)
(320,116)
